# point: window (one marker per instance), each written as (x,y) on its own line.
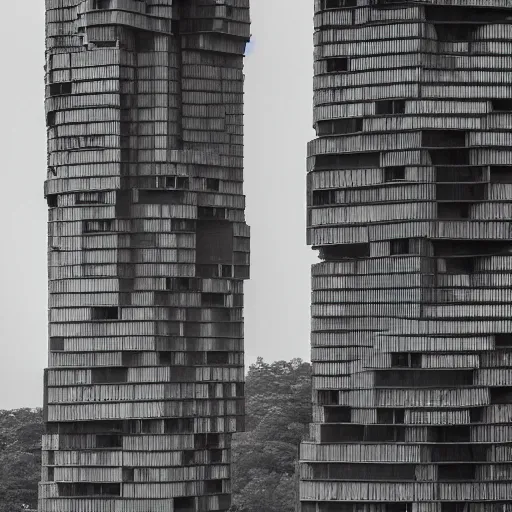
(501,395)
(460,265)
(390,416)
(212,184)
(389,107)
(181,182)
(444,139)
(405,360)
(226,270)
(183,225)
(452,434)
(212,299)
(179,426)
(503,340)
(128,474)
(336,65)
(399,246)
(394,173)
(326,397)
(184,504)
(98,226)
(213,486)
(348,161)
(105,313)
(456,472)
(476,415)
(339,126)
(52,200)
(324,197)
(502,105)
(181,284)
(60,88)
(188,457)
(109,441)
(215,456)
(501,174)
(101,4)
(338,414)
(453,211)
(109,375)
(105,44)
(50,119)
(217,358)
(336,4)
(229,11)
(344,251)
(207,212)
(56,344)
(88,489)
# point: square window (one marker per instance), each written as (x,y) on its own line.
(394,173)
(399,246)
(337,64)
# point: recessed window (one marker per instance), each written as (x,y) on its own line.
(405,360)
(180,182)
(180,284)
(389,107)
(98,226)
(394,173)
(213,486)
(215,456)
(460,265)
(336,65)
(212,299)
(217,358)
(56,344)
(399,246)
(52,200)
(109,441)
(339,126)
(60,88)
(89,198)
(502,105)
(109,375)
(453,211)
(324,197)
(212,184)
(184,504)
(207,212)
(50,119)
(105,313)
(101,4)
(336,4)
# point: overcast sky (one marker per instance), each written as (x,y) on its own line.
(277,126)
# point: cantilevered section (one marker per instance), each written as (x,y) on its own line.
(148,250)
(409,205)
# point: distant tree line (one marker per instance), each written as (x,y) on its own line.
(278,408)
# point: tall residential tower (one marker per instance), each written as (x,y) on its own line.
(410,207)
(147,252)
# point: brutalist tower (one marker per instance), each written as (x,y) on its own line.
(410,208)
(147,252)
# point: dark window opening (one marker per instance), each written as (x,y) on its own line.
(394,173)
(398,507)
(52,200)
(502,105)
(327,397)
(88,489)
(188,457)
(324,197)
(406,360)
(166,358)
(337,64)
(215,456)
(213,486)
(229,11)
(501,174)
(208,212)
(109,375)
(213,299)
(128,474)
(175,27)
(476,415)
(399,246)
(390,416)
(183,226)
(105,313)
(340,414)
(226,270)
(503,340)
(56,344)
(452,434)
(460,265)
(206,441)
(195,358)
(443,138)
(363,472)
(348,161)
(179,426)
(389,107)
(50,119)
(213,184)
(460,192)
(453,210)
(105,44)
(184,504)
(455,32)
(459,174)
(101,4)
(144,41)
(109,441)
(161,196)
(207,271)
(456,507)
(456,472)
(180,182)
(181,284)
(51,458)
(344,251)
(51,474)
(217,358)
(501,395)
(336,4)
(98,226)
(339,126)
(60,88)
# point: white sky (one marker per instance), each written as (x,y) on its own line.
(278,123)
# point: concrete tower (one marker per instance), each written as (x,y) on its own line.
(410,207)
(148,249)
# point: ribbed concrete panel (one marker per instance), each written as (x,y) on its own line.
(409,206)
(148,249)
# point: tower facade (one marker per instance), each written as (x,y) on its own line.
(147,252)
(409,205)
